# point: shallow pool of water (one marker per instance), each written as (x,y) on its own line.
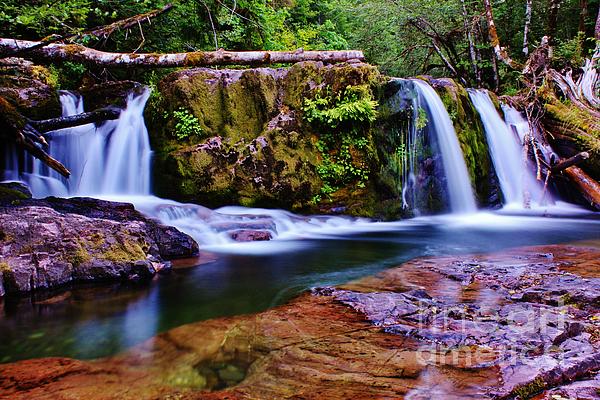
(90,322)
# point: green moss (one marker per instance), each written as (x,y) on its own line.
(237,106)
(124,251)
(573,128)
(7,194)
(79,256)
(5,268)
(529,390)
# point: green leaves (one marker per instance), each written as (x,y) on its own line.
(354,104)
(186,124)
(344,120)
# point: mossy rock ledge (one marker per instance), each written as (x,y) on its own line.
(252,144)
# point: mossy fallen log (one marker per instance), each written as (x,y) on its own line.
(77,53)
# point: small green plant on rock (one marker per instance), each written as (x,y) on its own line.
(186,124)
(343,120)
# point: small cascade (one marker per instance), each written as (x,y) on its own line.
(112,158)
(462,199)
(517,181)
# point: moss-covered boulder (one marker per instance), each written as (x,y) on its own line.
(30,88)
(245,137)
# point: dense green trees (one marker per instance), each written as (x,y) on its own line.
(404,37)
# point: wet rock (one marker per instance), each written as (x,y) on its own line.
(48,243)
(420,331)
(107,94)
(29,87)
(171,242)
(247,235)
(11,191)
(255,148)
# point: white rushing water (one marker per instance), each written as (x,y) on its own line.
(460,190)
(517,180)
(112,161)
(112,158)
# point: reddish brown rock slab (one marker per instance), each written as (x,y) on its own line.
(448,328)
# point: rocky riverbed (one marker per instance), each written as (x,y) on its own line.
(518,324)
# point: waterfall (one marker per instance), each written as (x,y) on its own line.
(460,190)
(517,181)
(112,158)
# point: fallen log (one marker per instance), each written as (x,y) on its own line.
(588,187)
(52,124)
(99,32)
(569,162)
(80,54)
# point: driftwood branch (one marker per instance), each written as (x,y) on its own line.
(17,128)
(100,31)
(101,115)
(569,162)
(29,135)
(81,54)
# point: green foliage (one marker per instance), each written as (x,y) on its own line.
(571,51)
(238,25)
(353,104)
(421,121)
(345,117)
(186,124)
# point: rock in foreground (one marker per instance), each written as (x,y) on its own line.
(51,242)
(520,324)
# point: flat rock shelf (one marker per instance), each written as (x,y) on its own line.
(522,323)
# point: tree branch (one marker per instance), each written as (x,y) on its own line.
(52,124)
(100,31)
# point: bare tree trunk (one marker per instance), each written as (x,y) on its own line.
(597,28)
(469,33)
(553,19)
(84,55)
(583,12)
(528,10)
(501,53)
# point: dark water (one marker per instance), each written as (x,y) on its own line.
(98,321)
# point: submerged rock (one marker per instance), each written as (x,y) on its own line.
(430,329)
(51,242)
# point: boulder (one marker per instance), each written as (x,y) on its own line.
(253,145)
(51,242)
(11,191)
(29,87)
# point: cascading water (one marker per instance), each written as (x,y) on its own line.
(113,158)
(113,161)
(460,190)
(517,181)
